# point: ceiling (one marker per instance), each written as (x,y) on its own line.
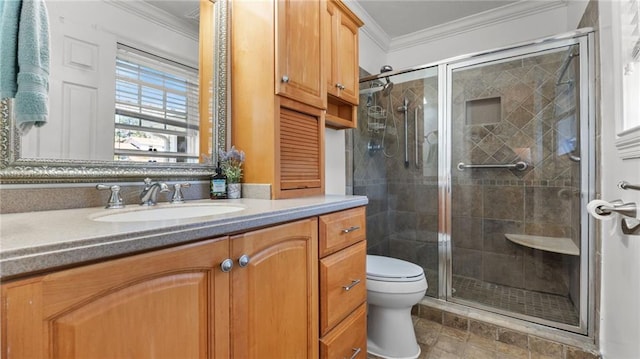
(394,17)
(402,17)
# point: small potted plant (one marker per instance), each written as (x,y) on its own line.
(231,163)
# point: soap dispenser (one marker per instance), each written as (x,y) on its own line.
(218,186)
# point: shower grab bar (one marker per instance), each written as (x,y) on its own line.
(627,185)
(405,109)
(520,166)
(415,121)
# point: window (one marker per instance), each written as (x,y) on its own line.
(156,115)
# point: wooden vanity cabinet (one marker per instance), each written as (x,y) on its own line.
(176,302)
(168,303)
(275,292)
(343,293)
(342,67)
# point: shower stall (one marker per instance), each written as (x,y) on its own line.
(479,168)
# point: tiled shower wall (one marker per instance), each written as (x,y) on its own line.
(542,200)
(403,211)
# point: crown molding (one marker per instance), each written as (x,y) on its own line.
(371,27)
(157,16)
(470,23)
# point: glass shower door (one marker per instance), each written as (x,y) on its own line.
(517,172)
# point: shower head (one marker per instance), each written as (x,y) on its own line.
(386,68)
(386,88)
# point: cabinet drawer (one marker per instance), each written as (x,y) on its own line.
(341,229)
(347,340)
(342,284)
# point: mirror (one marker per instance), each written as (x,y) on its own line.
(21,157)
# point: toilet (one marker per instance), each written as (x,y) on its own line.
(393,287)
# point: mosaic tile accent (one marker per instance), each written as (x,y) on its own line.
(542,305)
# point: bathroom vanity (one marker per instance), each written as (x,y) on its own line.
(244,284)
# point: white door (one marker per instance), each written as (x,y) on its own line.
(82,91)
(620,160)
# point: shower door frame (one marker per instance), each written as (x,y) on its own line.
(586,43)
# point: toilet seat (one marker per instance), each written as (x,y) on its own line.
(388,269)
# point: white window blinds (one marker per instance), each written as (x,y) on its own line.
(156,107)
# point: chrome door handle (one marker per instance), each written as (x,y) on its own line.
(354,283)
(350,229)
(226,265)
(244,260)
(356,351)
(285,79)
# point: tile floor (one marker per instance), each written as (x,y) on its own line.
(438,341)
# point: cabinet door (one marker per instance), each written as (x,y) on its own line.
(300,152)
(275,292)
(343,57)
(299,71)
(171,303)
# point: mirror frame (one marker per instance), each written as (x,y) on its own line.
(16,170)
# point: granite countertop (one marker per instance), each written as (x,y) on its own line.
(37,241)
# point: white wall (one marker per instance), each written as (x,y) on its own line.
(372,56)
(620,294)
(334,162)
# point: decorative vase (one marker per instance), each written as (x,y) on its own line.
(234,190)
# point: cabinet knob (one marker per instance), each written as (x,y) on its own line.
(244,260)
(285,79)
(340,86)
(226,265)
(353,284)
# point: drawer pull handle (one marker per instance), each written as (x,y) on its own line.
(350,229)
(354,283)
(356,351)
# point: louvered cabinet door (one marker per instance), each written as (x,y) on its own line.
(301,152)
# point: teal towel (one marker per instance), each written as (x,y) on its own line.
(32,71)
(9,14)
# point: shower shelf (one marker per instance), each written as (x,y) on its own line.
(550,244)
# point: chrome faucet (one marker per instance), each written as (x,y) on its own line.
(149,195)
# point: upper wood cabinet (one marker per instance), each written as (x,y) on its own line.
(341,64)
(281,131)
(298,49)
(342,57)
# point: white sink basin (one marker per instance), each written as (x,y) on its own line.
(169,212)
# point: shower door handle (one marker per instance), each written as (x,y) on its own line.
(415,130)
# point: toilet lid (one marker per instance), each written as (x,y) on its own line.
(387,268)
